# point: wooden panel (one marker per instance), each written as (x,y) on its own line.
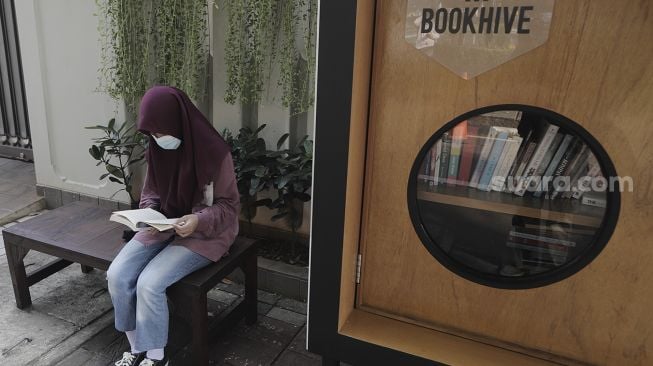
(439,346)
(595,69)
(355,167)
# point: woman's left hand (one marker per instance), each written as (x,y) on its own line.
(186,225)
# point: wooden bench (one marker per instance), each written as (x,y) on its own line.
(82,233)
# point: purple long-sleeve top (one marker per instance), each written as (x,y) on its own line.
(218,219)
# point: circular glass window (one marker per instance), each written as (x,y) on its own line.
(513,196)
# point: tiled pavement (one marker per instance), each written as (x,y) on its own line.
(17,190)
(71,323)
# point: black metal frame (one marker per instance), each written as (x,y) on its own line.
(601,238)
(333,108)
(13,107)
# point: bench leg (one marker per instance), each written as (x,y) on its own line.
(15,257)
(200,325)
(250,268)
(86,269)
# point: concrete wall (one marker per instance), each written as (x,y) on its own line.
(60,54)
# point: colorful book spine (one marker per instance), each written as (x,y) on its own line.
(595,200)
(579,171)
(555,160)
(536,180)
(458,136)
(493,159)
(443,174)
(584,184)
(543,146)
(482,159)
(502,170)
(435,156)
(467,156)
(569,170)
(426,167)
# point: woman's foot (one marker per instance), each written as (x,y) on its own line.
(130,359)
(148,362)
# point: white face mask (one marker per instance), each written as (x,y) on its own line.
(167,142)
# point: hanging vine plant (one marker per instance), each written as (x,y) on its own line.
(262,32)
(148,42)
(124,59)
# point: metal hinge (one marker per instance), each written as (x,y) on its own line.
(359,260)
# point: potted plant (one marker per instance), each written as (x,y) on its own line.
(291,178)
(120,150)
(252,166)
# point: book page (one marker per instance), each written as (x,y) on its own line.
(141,215)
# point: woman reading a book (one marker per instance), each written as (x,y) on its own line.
(190,176)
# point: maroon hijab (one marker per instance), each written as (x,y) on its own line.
(179,175)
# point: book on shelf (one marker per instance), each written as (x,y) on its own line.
(427,167)
(555,160)
(443,173)
(457,137)
(522,233)
(546,133)
(140,218)
(502,135)
(585,183)
(506,161)
(488,133)
(467,155)
(595,199)
(536,181)
(575,162)
(566,159)
(553,228)
(534,259)
(435,168)
(539,249)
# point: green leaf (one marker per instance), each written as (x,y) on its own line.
(115,180)
(260,171)
(114,170)
(112,123)
(103,176)
(282,139)
(95,152)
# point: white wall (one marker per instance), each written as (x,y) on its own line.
(60,54)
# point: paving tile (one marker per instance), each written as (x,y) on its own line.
(292,305)
(287,316)
(27,334)
(102,340)
(298,344)
(263,308)
(285,285)
(239,351)
(290,358)
(222,296)
(78,358)
(267,297)
(267,330)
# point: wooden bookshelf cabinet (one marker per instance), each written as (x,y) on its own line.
(380,102)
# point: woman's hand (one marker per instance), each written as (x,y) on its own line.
(186,225)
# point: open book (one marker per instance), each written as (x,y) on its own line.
(138,219)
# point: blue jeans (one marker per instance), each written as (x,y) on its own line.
(138,278)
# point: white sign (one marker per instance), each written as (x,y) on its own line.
(470,37)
